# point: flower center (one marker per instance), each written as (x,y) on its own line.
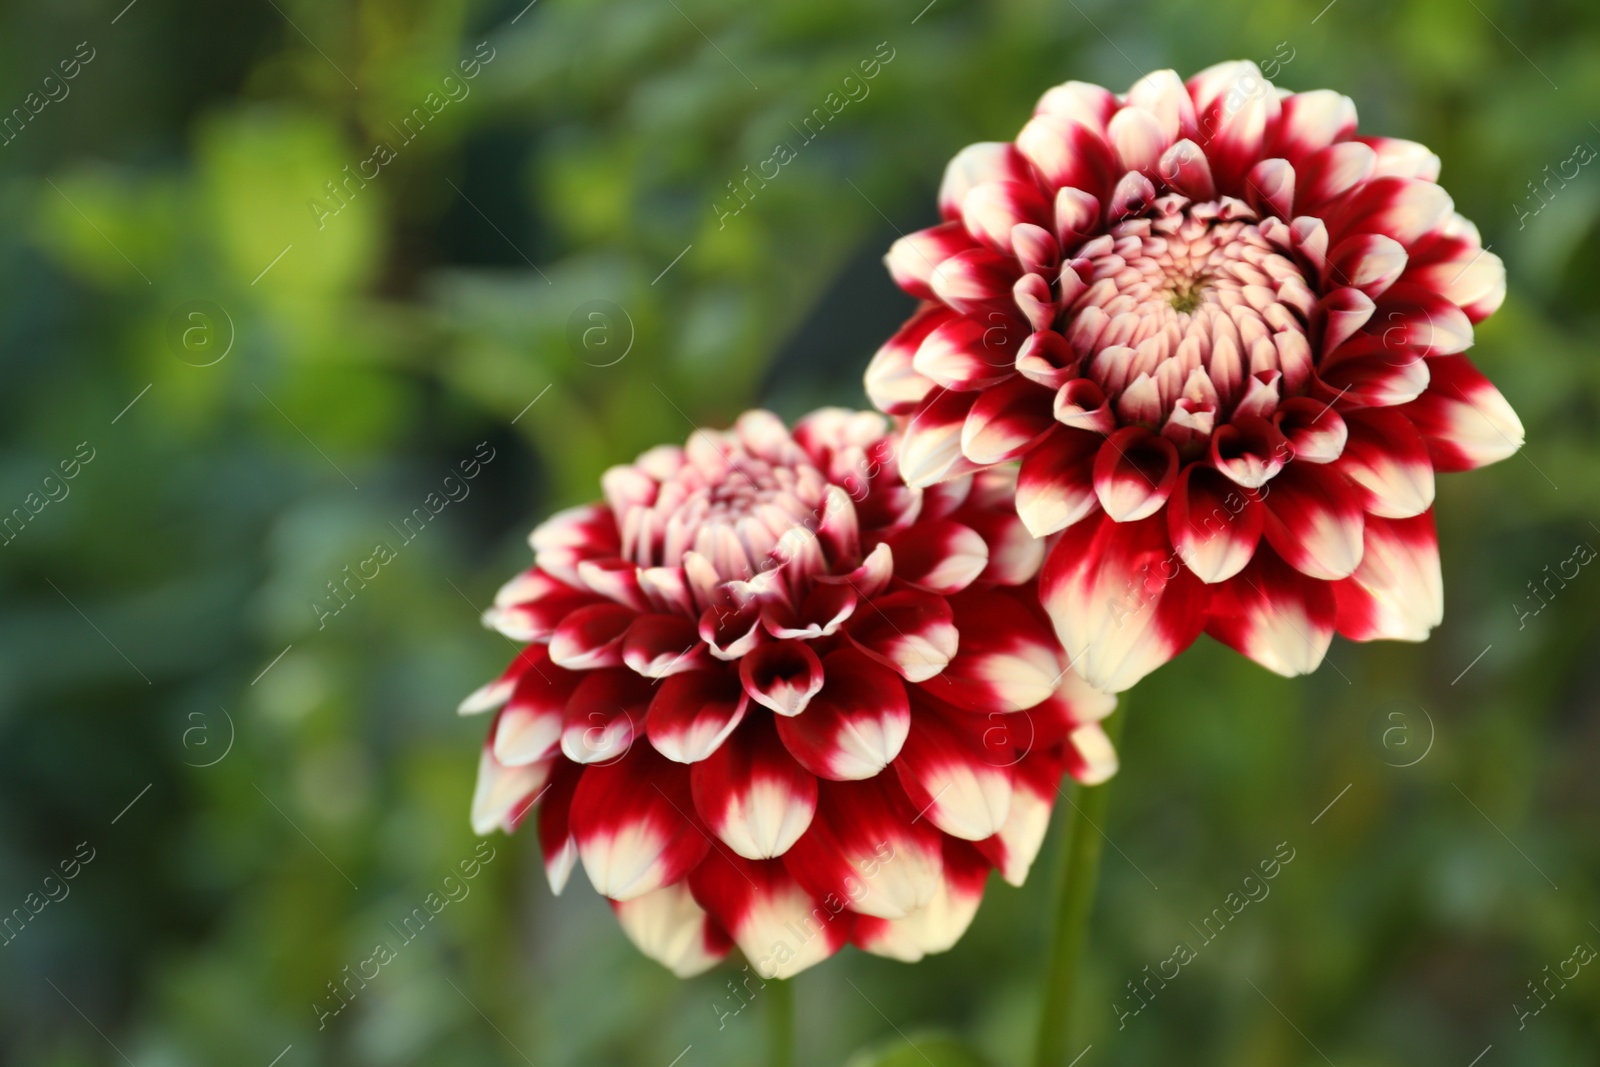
(1187,310)
(719,500)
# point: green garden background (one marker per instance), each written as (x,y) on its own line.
(267,376)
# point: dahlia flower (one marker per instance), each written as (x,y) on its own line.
(1224,335)
(773,696)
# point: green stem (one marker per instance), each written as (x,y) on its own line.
(780,1023)
(1080,871)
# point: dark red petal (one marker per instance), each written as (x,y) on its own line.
(1036,780)
(909,631)
(941,556)
(1314,520)
(826,607)
(668,926)
(867,847)
(617,580)
(1275,615)
(493,694)
(1312,121)
(893,384)
(782,675)
(780,928)
(532,605)
(1008,660)
(1387,461)
(1014,554)
(566,538)
(691,714)
(938,925)
(635,825)
(1055,487)
(1405,209)
(1006,420)
(591,637)
(604,715)
(1397,593)
(529,727)
(1463,417)
(1134,473)
(992,209)
(1315,431)
(1120,598)
(856,725)
(556,843)
(913,258)
(658,645)
(988,161)
(502,796)
(1214,523)
(948,772)
(731,631)
(1066,153)
(1330,174)
(1249,450)
(966,354)
(930,448)
(752,794)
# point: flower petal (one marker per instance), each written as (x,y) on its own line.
(782,675)
(635,825)
(946,775)
(1008,660)
(856,725)
(968,353)
(1314,521)
(658,645)
(1387,461)
(1275,615)
(913,258)
(939,924)
(1463,417)
(668,926)
(556,843)
(1397,593)
(1068,153)
(910,631)
(529,727)
(1134,473)
(941,556)
(588,531)
(1121,600)
(752,794)
(591,637)
(692,714)
(893,383)
(990,210)
(604,715)
(1006,420)
(1214,524)
(493,694)
(1035,781)
(867,847)
(1056,485)
(930,448)
(504,794)
(986,161)
(780,928)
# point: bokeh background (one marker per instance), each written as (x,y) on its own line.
(172,706)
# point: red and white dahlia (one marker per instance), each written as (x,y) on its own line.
(1224,336)
(773,696)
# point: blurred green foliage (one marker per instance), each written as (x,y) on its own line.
(160,612)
